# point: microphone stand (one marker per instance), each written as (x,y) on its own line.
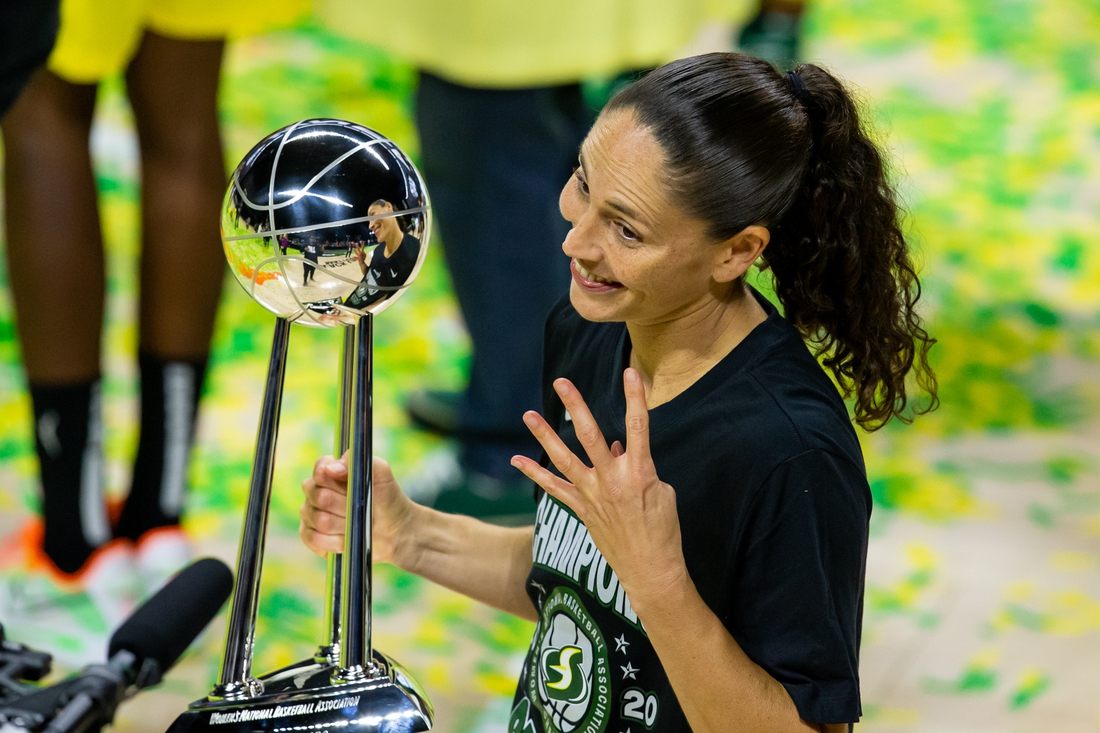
(85,703)
(19,665)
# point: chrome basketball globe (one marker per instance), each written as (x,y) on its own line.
(325,220)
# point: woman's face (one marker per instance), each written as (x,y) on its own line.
(384,229)
(636,256)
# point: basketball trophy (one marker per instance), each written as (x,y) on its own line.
(325,223)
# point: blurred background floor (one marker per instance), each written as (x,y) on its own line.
(983,590)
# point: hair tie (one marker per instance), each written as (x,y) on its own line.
(799,86)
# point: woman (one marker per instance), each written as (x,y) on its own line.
(704,572)
(392,260)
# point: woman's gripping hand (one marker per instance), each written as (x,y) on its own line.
(324,511)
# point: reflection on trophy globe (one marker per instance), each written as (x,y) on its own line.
(325,220)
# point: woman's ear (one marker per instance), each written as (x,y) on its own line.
(738,253)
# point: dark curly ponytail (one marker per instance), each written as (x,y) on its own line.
(746,145)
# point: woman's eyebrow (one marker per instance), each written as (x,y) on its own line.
(627,211)
(617,205)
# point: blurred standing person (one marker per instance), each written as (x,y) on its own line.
(170,55)
(28,31)
(501,116)
(774,33)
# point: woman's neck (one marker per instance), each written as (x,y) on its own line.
(393,243)
(672,356)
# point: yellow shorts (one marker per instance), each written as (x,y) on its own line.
(98,38)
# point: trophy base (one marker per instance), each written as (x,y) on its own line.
(303,697)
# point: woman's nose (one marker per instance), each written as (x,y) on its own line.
(581,241)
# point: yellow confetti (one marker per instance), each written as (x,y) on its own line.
(1072,562)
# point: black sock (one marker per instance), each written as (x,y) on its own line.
(69,440)
(169,397)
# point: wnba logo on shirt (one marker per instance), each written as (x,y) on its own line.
(569,680)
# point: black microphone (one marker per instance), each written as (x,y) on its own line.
(166,624)
(145,646)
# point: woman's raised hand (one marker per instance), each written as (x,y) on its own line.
(323,514)
(629,511)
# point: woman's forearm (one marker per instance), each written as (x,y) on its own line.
(483,561)
(719,688)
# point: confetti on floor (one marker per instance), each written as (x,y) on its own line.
(983,590)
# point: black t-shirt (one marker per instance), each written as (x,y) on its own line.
(387,272)
(773,503)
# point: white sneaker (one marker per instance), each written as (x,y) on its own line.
(69,615)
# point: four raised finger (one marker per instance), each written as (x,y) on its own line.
(637,423)
(551,483)
(570,466)
(588,431)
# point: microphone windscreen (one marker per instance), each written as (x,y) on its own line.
(165,625)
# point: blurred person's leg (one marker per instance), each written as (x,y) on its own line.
(495,162)
(774,33)
(173,87)
(56,271)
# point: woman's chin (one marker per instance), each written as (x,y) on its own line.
(594,306)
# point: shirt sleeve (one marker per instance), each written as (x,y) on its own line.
(799,569)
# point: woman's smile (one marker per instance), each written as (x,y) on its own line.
(590,281)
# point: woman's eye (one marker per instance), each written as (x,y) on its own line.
(582,185)
(627,233)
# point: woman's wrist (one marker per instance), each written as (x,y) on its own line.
(662,593)
(411,537)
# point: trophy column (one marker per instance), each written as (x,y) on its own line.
(355,646)
(236,680)
(329,650)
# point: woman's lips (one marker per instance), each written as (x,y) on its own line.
(590,282)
